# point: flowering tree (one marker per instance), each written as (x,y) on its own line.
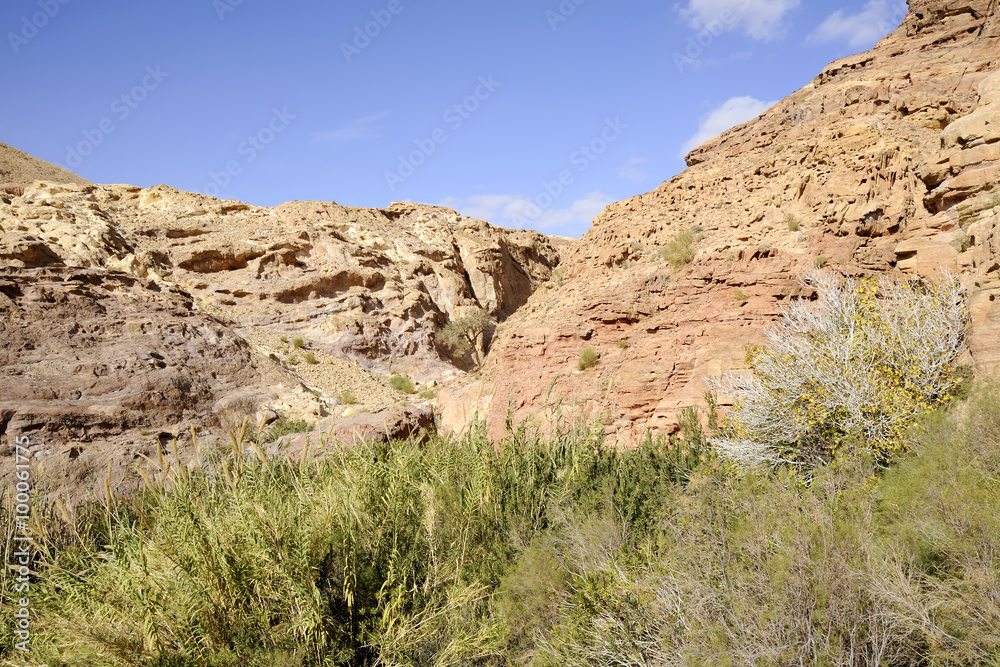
(857,366)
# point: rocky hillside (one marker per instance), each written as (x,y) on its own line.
(18,169)
(886,161)
(129,316)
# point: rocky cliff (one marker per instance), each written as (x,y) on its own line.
(886,161)
(129,316)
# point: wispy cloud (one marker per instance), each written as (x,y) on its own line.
(862,30)
(362,128)
(760,19)
(631,171)
(733,111)
(518,211)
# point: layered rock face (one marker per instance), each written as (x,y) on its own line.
(129,316)
(887,161)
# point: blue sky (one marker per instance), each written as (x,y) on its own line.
(528,113)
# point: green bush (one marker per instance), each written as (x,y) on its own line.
(465,335)
(680,251)
(429,394)
(347,398)
(311,359)
(298,343)
(793,224)
(403,384)
(588,359)
(285,426)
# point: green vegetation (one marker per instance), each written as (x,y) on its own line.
(819,262)
(623,344)
(793,224)
(298,343)
(533,550)
(402,383)
(284,427)
(846,511)
(680,252)
(739,295)
(588,359)
(347,397)
(429,394)
(466,335)
(311,359)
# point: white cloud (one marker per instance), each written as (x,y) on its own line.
(362,128)
(631,171)
(761,19)
(734,111)
(862,30)
(520,212)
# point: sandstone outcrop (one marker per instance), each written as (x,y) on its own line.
(130,315)
(887,161)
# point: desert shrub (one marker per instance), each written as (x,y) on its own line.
(941,513)
(739,295)
(588,359)
(347,397)
(310,359)
(285,426)
(543,550)
(623,344)
(298,343)
(466,334)
(819,262)
(429,394)
(793,224)
(386,553)
(680,251)
(855,369)
(402,383)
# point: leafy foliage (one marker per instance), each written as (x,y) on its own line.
(402,383)
(466,334)
(680,251)
(856,370)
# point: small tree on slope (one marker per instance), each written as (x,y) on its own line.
(856,367)
(465,334)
